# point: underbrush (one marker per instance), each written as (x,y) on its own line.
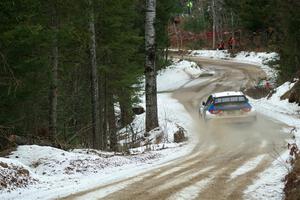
(257,93)
(293,95)
(292,185)
(14,176)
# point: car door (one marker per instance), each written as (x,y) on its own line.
(207,104)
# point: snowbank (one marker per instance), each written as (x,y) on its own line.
(284,111)
(171,113)
(14,175)
(177,75)
(213,54)
(49,161)
(51,173)
(270,184)
(260,59)
(281,110)
(59,173)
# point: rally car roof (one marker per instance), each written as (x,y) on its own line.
(227,93)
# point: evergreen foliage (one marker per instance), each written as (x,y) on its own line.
(280,22)
(195,24)
(289,38)
(26,39)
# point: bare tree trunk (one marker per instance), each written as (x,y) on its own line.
(214,24)
(97,140)
(112,123)
(126,115)
(232,28)
(54,77)
(150,72)
(104,110)
(177,35)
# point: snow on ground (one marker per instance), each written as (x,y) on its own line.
(176,169)
(50,162)
(171,113)
(185,177)
(260,59)
(192,191)
(177,75)
(58,173)
(247,167)
(281,110)
(213,54)
(14,174)
(109,190)
(270,184)
(54,173)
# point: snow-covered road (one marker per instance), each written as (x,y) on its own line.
(225,161)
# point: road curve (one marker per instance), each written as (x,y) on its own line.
(213,170)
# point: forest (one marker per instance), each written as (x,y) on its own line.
(46,75)
(66,64)
(264,25)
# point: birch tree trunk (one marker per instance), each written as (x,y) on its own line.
(97,139)
(54,78)
(150,72)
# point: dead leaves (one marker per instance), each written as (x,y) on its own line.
(13,177)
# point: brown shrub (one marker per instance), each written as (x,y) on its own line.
(293,95)
(292,185)
(257,93)
(179,136)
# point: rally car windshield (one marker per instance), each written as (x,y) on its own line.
(232,99)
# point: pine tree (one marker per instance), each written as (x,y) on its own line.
(97,138)
(289,38)
(54,73)
(48,45)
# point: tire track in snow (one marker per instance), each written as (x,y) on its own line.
(109,190)
(191,192)
(181,179)
(248,166)
(195,159)
(232,151)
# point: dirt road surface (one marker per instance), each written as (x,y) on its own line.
(212,170)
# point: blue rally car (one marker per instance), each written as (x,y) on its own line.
(227,106)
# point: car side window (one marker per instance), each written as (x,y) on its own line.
(209,100)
